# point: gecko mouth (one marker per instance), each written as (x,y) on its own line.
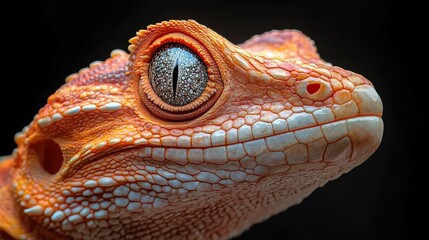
(334,143)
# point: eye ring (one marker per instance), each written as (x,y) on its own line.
(188,111)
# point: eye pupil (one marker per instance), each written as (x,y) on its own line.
(177,75)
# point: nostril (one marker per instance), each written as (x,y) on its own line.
(313,88)
(49,155)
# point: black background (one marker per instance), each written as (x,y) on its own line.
(43,42)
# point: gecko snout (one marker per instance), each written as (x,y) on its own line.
(367,100)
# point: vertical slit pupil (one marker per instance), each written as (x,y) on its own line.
(175,76)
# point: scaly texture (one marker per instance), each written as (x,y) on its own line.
(107,158)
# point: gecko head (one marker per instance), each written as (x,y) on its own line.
(189,117)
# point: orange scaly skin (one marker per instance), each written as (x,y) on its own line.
(108,159)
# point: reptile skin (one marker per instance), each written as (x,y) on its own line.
(106,158)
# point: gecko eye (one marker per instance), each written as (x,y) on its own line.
(177,75)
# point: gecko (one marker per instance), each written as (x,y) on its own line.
(186,136)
